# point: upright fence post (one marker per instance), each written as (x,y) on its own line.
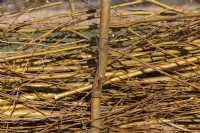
(102,65)
(73,9)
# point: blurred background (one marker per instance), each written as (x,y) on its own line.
(16,5)
(21,7)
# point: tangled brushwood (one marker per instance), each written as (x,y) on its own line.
(152,81)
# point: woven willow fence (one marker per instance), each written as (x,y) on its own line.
(136,71)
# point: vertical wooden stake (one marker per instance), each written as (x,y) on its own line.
(102,65)
(73,10)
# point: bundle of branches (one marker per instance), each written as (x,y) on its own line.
(152,79)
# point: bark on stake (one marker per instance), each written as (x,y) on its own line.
(73,10)
(102,65)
